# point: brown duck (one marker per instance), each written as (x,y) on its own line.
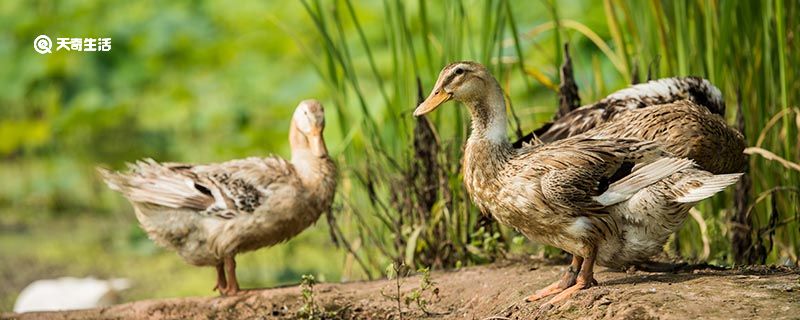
(209,213)
(604,197)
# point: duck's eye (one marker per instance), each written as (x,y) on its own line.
(459,71)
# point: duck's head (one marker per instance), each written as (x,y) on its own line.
(309,121)
(463,81)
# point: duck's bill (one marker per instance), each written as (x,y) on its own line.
(433,101)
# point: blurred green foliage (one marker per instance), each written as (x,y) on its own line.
(192,81)
(203,81)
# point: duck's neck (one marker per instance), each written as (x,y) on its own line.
(487,150)
(316,171)
(489,119)
(489,123)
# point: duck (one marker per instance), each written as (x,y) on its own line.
(209,213)
(606,198)
(654,92)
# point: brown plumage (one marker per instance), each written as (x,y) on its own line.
(684,129)
(644,95)
(209,213)
(602,196)
(683,114)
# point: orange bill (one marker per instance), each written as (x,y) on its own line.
(433,101)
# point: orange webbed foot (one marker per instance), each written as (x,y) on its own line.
(571,291)
(552,289)
(567,280)
(585,279)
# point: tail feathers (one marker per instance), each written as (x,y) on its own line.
(110,178)
(641,178)
(711,185)
(669,90)
(150,182)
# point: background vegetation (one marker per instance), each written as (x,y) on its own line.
(208,81)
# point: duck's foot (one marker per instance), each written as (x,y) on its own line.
(552,289)
(232,287)
(571,291)
(567,280)
(229,292)
(585,280)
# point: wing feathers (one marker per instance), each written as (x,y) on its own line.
(711,185)
(641,178)
(150,182)
(224,189)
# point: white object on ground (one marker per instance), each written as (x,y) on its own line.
(69,293)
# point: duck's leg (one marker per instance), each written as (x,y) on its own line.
(585,279)
(230,269)
(222,284)
(567,280)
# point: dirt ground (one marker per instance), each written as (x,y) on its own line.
(496,292)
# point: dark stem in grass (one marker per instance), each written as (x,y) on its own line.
(635,73)
(516,124)
(741,240)
(568,98)
(652,70)
(424,173)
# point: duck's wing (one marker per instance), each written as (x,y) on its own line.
(586,175)
(224,190)
(651,93)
